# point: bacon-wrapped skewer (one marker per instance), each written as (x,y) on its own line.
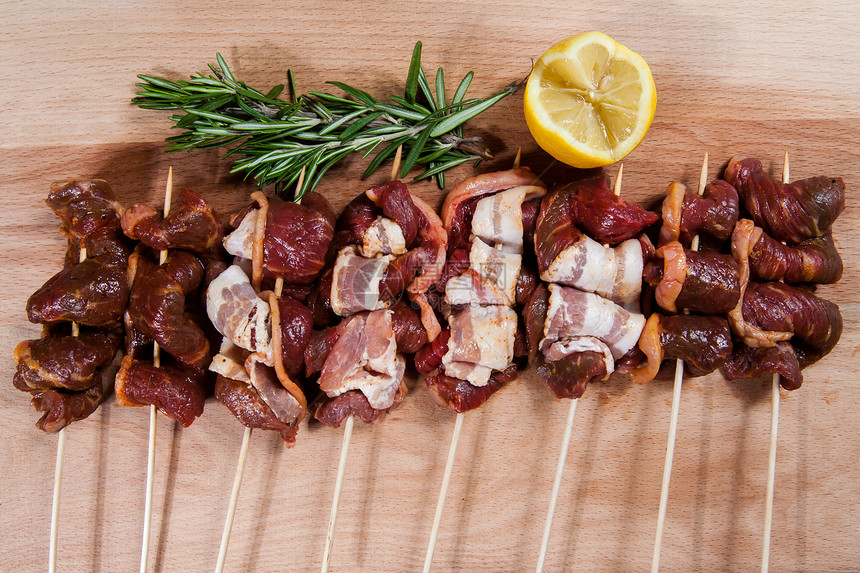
(265,334)
(387,240)
(64,369)
(490,223)
(575,337)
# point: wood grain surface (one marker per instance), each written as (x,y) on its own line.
(754,78)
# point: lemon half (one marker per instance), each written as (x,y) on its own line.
(589,100)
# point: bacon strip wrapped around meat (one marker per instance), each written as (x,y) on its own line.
(386,241)
(576,337)
(687,214)
(705,281)
(568,256)
(289,242)
(790,212)
(65,374)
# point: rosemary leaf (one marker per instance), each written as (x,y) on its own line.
(412,76)
(465,115)
(415,152)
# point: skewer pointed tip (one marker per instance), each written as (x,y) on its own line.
(518,157)
(617,188)
(395,168)
(785,170)
(703,175)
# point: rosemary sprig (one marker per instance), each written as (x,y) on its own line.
(272,139)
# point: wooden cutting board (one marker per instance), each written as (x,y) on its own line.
(732,77)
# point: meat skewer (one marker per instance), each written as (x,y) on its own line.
(565,446)
(150,459)
(673,420)
(264,332)
(771,456)
(349,424)
(455,388)
(58,470)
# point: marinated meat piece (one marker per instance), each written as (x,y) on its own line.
(107,244)
(319,300)
(409,332)
(686,214)
(401,271)
(333,411)
(293,241)
(357,217)
(705,281)
(92,293)
(600,213)
(157,307)
(811,261)
(296,323)
(70,362)
(778,307)
(191,225)
(576,207)
(177,392)
(790,212)
(527,281)
(429,358)
(461,396)
(534,317)
(319,347)
(743,239)
(85,206)
(568,377)
(245,403)
(396,203)
(746,362)
(704,343)
(531,209)
(61,407)
(297,238)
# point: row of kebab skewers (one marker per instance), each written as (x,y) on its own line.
(292,312)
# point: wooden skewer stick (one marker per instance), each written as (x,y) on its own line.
(673,420)
(443,492)
(150,460)
(58,468)
(347,436)
(771,456)
(449,464)
(243,450)
(565,446)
